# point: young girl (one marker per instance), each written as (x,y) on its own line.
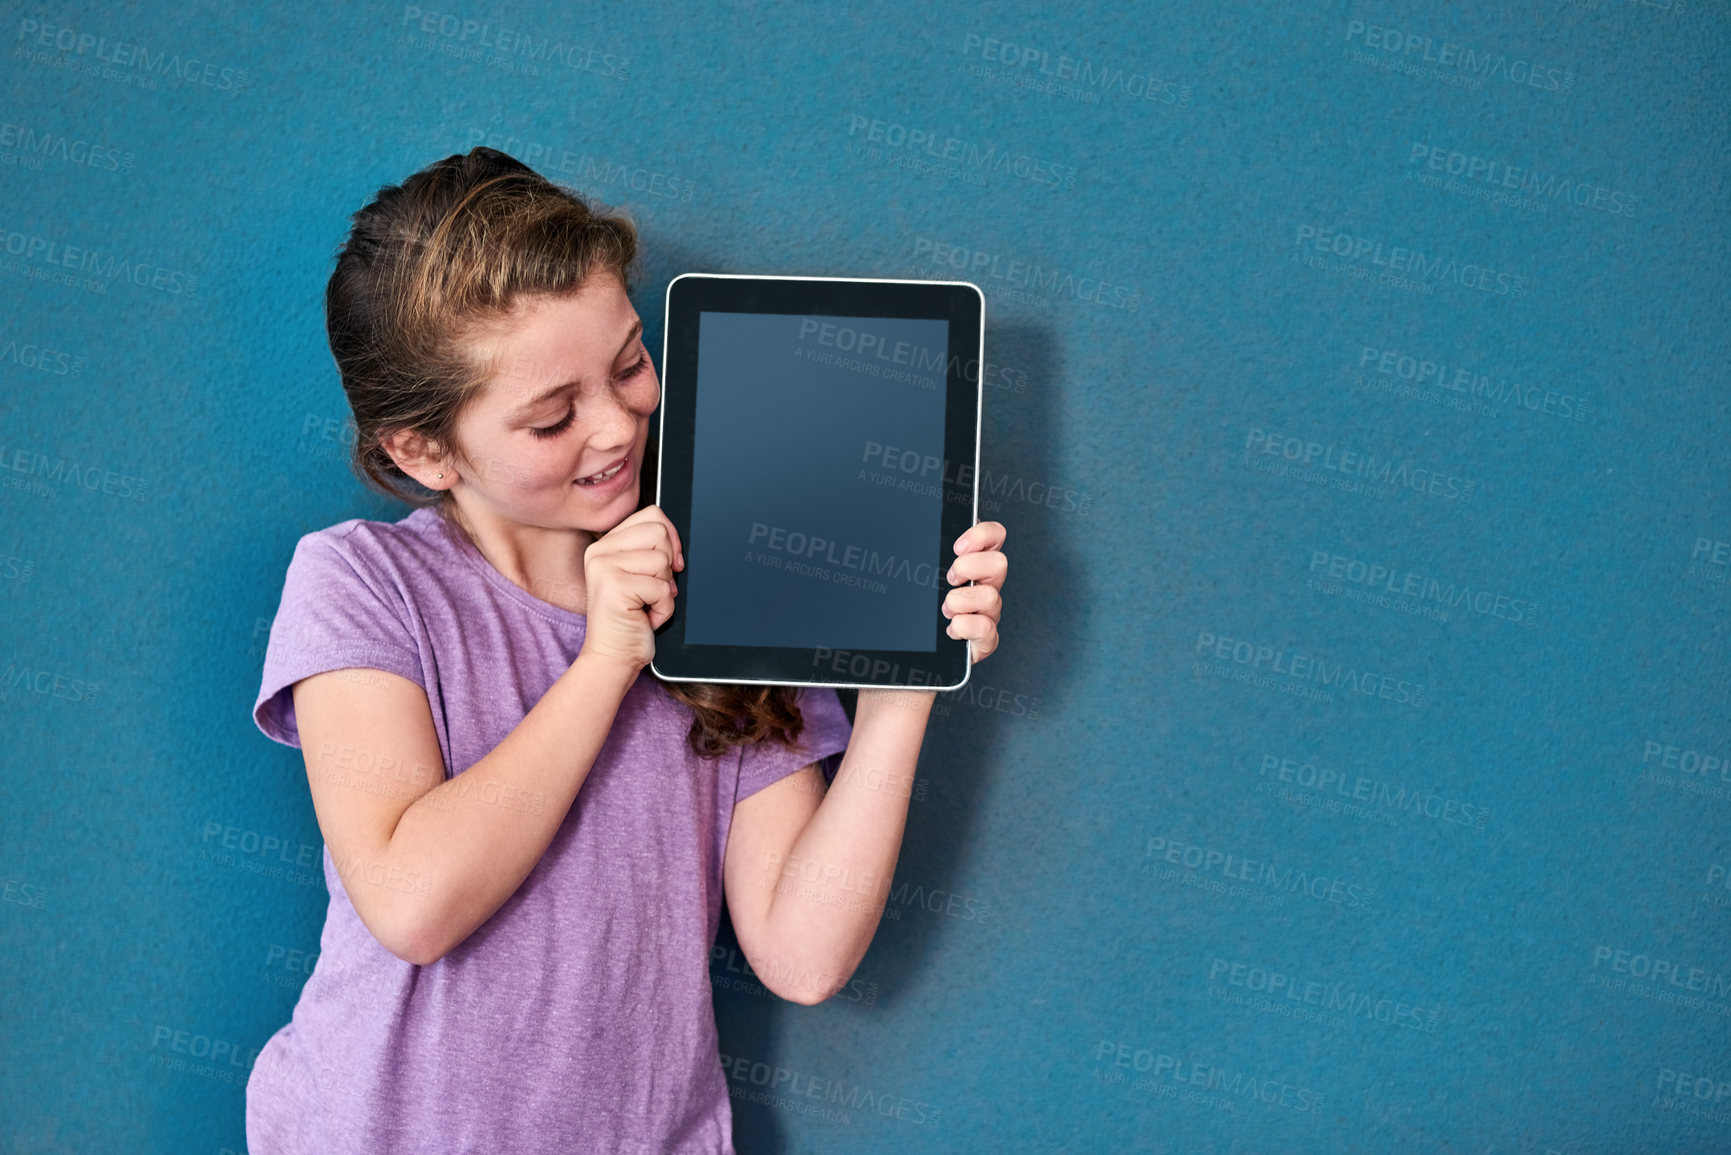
(528,838)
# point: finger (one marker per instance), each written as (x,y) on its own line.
(989,568)
(648,537)
(982,536)
(981,632)
(641,535)
(981,650)
(654,594)
(981,599)
(655,514)
(661,609)
(649,562)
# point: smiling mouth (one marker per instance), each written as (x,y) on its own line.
(605,475)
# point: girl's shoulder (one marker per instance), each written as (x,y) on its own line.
(365,563)
(353,597)
(418,530)
(375,546)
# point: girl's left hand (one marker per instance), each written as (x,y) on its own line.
(973,609)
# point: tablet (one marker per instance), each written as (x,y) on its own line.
(819,454)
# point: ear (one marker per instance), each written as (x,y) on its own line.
(420,459)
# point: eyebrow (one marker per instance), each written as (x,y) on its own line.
(553,391)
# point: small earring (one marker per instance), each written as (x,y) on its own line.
(441,475)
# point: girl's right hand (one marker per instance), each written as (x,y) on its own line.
(629,575)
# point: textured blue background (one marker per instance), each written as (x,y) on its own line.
(1042,969)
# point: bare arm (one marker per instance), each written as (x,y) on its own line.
(807,872)
(424,859)
(427,860)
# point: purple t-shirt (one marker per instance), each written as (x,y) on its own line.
(578,1017)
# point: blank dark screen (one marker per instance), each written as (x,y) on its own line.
(818,482)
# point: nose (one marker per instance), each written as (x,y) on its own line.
(611,421)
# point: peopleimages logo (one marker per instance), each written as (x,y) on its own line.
(1212,860)
(42,358)
(514,43)
(1331,997)
(1469,62)
(1421,587)
(31,142)
(966,154)
(107,267)
(1357,466)
(43,468)
(16,675)
(1525,180)
(1416,266)
(813,547)
(1382,795)
(1657,970)
(1084,72)
(1423,373)
(588,170)
(35,36)
(1264,658)
(1710,561)
(1698,1096)
(1233,1084)
(1032,276)
(783,1085)
(1686,760)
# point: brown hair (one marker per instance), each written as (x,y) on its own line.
(429,262)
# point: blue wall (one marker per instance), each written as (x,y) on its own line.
(1353,774)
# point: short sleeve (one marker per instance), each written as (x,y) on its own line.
(826,733)
(336,612)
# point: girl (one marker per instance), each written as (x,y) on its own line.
(528,841)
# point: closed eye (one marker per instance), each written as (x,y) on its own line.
(555,430)
(564,423)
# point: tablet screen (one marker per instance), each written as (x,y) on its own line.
(832,537)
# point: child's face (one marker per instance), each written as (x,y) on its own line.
(570,397)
